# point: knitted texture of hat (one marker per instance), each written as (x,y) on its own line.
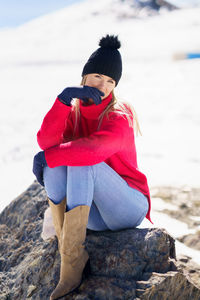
(106,60)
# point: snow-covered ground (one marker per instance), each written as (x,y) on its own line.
(40,58)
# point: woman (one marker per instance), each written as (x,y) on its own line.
(89,164)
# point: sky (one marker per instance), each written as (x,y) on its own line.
(14,13)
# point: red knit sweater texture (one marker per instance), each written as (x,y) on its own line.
(113,143)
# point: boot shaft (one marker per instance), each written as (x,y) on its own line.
(58,211)
(74,228)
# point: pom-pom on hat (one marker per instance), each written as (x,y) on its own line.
(106,60)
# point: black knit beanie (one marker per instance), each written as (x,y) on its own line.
(106,60)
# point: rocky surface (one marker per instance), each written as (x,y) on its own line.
(186,202)
(191,240)
(185,199)
(128,264)
(186,208)
(140,8)
(189,268)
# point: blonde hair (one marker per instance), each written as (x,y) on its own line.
(122,108)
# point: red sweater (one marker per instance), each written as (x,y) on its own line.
(114,143)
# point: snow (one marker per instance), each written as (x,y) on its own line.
(41,57)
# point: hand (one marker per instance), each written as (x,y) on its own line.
(82,92)
(39,162)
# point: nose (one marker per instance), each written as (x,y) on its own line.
(101,84)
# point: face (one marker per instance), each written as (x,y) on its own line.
(102,82)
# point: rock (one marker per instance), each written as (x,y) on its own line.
(172,285)
(129,253)
(151,4)
(184,258)
(127,264)
(185,198)
(125,9)
(191,240)
(189,268)
(186,201)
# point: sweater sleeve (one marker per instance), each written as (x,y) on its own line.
(53,125)
(93,149)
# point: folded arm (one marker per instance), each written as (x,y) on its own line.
(53,125)
(93,149)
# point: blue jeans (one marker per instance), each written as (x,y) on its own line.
(114,205)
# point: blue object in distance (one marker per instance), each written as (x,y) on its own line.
(193,55)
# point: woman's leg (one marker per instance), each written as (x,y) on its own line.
(95,220)
(71,234)
(80,191)
(55,182)
(117,205)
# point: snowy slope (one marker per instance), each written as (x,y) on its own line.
(40,58)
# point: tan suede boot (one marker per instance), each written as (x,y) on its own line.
(73,254)
(58,211)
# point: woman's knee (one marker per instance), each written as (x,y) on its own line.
(55,173)
(76,169)
(87,170)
